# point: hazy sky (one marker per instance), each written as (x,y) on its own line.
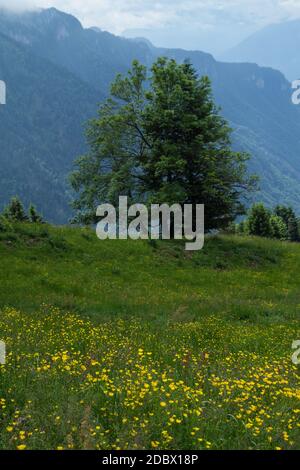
(211,25)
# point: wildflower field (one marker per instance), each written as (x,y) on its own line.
(134,346)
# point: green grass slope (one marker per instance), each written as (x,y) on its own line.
(137,345)
(237,278)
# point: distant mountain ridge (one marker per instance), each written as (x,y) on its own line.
(274,46)
(94,55)
(256,101)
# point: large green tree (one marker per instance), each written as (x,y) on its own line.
(160,138)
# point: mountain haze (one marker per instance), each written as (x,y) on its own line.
(274,46)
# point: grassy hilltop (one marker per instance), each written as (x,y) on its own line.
(124,344)
(236,278)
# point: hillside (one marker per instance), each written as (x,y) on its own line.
(89,368)
(273,46)
(255,100)
(39,135)
(72,269)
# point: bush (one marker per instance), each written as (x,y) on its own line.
(278,228)
(288,215)
(259,221)
(5,225)
(293,231)
(241,228)
(34,216)
(15,211)
(281,223)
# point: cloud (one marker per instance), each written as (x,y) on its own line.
(118,15)
(18,5)
(185,21)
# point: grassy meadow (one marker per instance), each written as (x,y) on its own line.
(141,345)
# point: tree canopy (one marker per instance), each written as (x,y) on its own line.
(159,138)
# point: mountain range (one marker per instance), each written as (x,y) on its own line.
(274,46)
(57,72)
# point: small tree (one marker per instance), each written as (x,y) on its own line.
(15,211)
(289,217)
(34,216)
(259,221)
(278,228)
